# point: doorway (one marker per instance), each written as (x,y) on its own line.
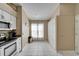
(37,31)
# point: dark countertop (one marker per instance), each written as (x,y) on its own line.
(7,42)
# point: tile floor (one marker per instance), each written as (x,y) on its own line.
(42,48)
(38,48)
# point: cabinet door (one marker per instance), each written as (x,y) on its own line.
(19,44)
(0,15)
(5,16)
(13,22)
(8,18)
(1,51)
(66,9)
(65,38)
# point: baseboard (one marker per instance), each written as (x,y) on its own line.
(68,52)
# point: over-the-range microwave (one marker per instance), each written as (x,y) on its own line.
(4,25)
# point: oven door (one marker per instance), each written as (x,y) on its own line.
(10,50)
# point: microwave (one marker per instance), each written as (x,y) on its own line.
(4,25)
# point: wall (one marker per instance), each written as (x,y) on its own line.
(19,21)
(7,8)
(25,28)
(13,6)
(52,32)
(52,28)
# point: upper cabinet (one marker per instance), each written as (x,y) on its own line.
(13,22)
(67,9)
(0,14)
(6,17)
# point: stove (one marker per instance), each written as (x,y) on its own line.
(2,42)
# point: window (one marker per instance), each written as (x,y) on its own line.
(37,30)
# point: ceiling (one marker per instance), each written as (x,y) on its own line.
(39,11)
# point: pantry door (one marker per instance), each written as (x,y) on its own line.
(37,31)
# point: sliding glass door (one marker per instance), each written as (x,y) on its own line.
(37,31)
(34,30)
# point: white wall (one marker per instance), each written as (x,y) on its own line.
(25,28)
(52,28)
(52,32)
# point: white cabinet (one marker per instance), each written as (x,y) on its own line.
(13,22)
(9,49)
(0,14)
(4,16)
(19,44)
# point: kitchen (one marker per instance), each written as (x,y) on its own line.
(10,30)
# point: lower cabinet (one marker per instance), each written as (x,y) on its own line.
(8,49)
(11,48)
(19,46)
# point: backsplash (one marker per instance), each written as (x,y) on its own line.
(6,32)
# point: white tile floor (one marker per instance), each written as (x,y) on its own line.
(42,48)
(38,48)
